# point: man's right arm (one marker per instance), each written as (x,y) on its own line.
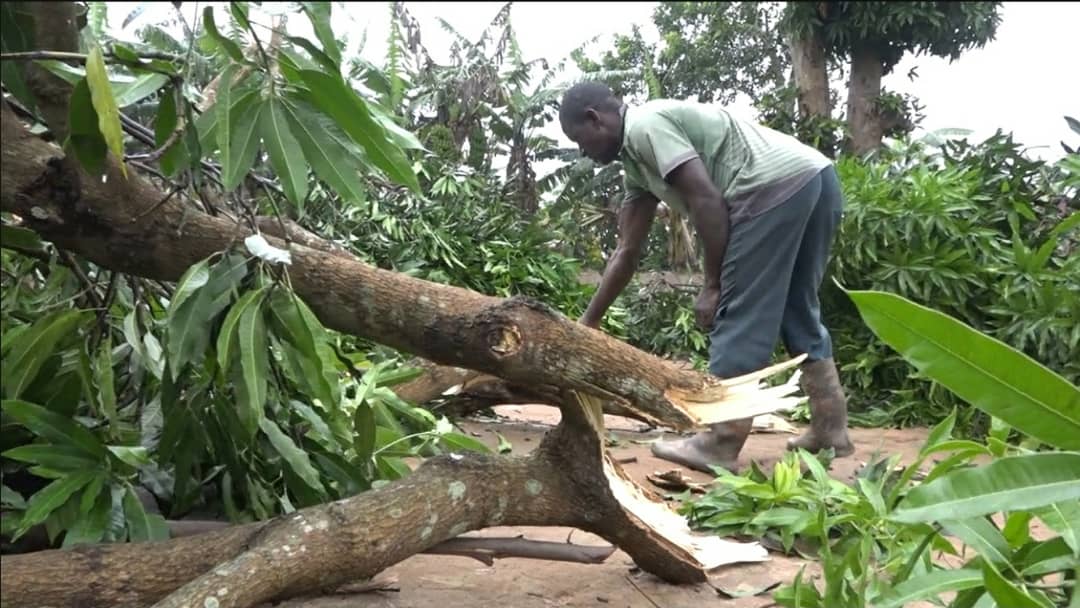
(635,218)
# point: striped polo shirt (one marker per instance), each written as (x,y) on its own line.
(754,167)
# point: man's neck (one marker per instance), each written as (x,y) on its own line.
(622,127)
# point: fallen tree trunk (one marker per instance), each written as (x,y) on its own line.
(518,340)
(566,481)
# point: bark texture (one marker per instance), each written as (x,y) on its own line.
(864,121)
(811,75)
(320,548)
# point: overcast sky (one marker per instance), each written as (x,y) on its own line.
(1018,82)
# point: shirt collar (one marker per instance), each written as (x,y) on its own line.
(622,132)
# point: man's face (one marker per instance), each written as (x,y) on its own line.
(597,137)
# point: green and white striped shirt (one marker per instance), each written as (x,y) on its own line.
(754,167)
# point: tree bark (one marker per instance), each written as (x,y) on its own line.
(567,481)
(864,121)
(811,75)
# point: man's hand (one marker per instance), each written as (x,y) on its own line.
(708,301)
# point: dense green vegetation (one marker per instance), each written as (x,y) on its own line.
(224,395)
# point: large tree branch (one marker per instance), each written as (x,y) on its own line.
(518,340)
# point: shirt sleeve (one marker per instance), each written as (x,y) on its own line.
(662,143)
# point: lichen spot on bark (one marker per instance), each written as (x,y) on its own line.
(396,512)
(211,602)
(223,592)
(504,340)
(533,487)
(458,530)
(457,490)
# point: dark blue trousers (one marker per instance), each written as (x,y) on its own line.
(773,268)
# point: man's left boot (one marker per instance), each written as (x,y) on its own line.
(828,410)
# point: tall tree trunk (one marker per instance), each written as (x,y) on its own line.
(811,76)
(864,121)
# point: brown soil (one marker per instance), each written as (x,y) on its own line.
(458,582)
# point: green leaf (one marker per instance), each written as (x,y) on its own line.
(106,386)
(254,364)
(200,296)
(504,447)
(164,126)
(11,498)
(983,371)
(1063,518)
(981,535)
(242,143)
(455,440)
(230,47)
(142,87)
(84,137)
(295,322)
(52,497)
(16,31)
(1048,556)
(364,431)
(319,14)
(285,153)
(134,456)
(30,350)
(319,56)
(296,458)
(1005,593)
(1073,124)
(227,336)
(21,238)
(56,428)
(1008,484)
(351,112)
(101,94)
(62,458)
(91,526)
(928,585)
(142,526)
(333,162)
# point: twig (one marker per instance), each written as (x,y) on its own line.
(172,192)
(643,594)
(157,154)
(71,263)
(81,57)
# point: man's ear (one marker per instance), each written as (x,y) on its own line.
(592,116)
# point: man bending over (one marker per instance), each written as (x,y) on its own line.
(765,207)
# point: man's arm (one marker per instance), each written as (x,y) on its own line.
(635,218)
(708,211)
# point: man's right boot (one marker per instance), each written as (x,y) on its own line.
(828,410)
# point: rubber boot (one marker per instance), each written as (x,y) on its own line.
(828,410)
(719,446)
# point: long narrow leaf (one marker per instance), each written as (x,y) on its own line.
(52,497)
(54,427)
(332,162)
(1009,484)
(142,526)
(30,350)
(254,365)
(983,371)
(1006,593)
(296,458)
(101,94)
(285,152)
(928,585)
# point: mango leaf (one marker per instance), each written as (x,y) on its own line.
(981,535)
(227,336)
(298,326)
(285,153)
(254,365)
(230,47)
(351,112)
(202,293)
(1052,555)
(332,161)
(58,429)
(143,86)
(16,28)
(84,136)
(30,350)
(11,498)
(132,455)
(1005,593)
(242,142)
(1008,484)
(319,14)
(164,125)
(296,458)
(21,238)
(101,94)
(455,440)
(106,387)
(983,371)
(322,58)
(928,585)
(363,432)
(91,527)
(63,458)
(1063,518)
(142,526)
(52,497)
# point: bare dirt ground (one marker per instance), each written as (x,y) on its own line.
(459,582)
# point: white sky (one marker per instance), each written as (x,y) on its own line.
(1019,82)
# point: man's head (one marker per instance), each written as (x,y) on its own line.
(589,114)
